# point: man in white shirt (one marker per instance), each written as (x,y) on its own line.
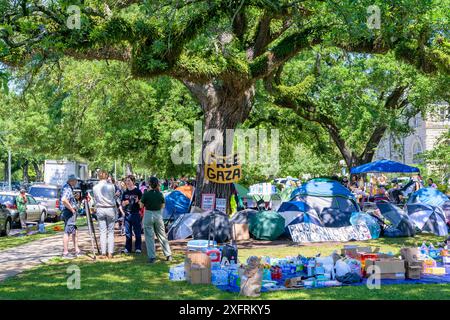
(104,195)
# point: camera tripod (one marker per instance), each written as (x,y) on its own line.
(91,229)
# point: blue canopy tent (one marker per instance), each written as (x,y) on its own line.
(384,166)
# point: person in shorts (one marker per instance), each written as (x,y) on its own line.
(69,207)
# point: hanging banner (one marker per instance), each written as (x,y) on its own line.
(308,232)
(220,169)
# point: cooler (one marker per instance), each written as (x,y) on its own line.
(200,245)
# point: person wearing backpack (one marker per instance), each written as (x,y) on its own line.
(153,202)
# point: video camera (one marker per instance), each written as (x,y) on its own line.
(84,186)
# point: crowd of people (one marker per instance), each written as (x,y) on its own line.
(138,208)
(377,187)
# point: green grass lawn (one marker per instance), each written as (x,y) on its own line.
(130,277)
(14,241)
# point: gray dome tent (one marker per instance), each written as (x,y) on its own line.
(214,221)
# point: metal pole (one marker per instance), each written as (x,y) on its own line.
(115,170)
(9,169)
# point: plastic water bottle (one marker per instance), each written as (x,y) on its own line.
(311,265)
(41,228)
(424,248)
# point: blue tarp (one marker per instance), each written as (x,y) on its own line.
(429,196)
(322,189)
(425,279)
(384,166)
(176,203)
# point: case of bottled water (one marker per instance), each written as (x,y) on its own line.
(176,273)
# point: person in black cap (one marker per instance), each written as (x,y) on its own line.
(153,201)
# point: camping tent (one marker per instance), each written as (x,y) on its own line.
(402,225)
(216,222)
(297,212)
(266,225)
(384,166)
(243,216)
(391,212)
(182,227)
(428,218)
(178,202)
(429,196)
(321,195)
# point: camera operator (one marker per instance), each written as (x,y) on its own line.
(68,206)
(105,199)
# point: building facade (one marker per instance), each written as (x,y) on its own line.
(426,132)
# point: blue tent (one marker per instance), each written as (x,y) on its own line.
(384,166)
(322,189)
(295,212)
(429,196)
(332,202)
(176,203)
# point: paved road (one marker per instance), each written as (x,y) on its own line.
(16,260)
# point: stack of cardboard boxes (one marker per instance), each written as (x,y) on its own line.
(412,264)
(197,267)
(390,268)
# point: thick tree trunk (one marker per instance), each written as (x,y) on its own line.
(38,171)
(26,176)
(224,107)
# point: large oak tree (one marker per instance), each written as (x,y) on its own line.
(219,49)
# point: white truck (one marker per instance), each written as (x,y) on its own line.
(56,172)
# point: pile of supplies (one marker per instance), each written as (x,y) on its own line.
(207,263)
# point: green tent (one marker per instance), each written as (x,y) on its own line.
(266,225)
(241,191)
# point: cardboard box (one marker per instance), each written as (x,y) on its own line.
(354,251)
(240,231)
(199,275)
(413,269)
(409,254)
(389,268)
(197,267)
(439,271)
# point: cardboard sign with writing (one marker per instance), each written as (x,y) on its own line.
(308,232)
(220,169)
(208,201)
(221,204)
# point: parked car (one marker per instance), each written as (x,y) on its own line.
(5,221)
(47,195)
(35,211)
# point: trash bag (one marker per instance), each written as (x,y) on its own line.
(371,223)
(349,278)
(342,268)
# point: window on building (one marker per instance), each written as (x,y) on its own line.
(416,151)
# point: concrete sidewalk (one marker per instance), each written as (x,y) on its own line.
(16,260)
